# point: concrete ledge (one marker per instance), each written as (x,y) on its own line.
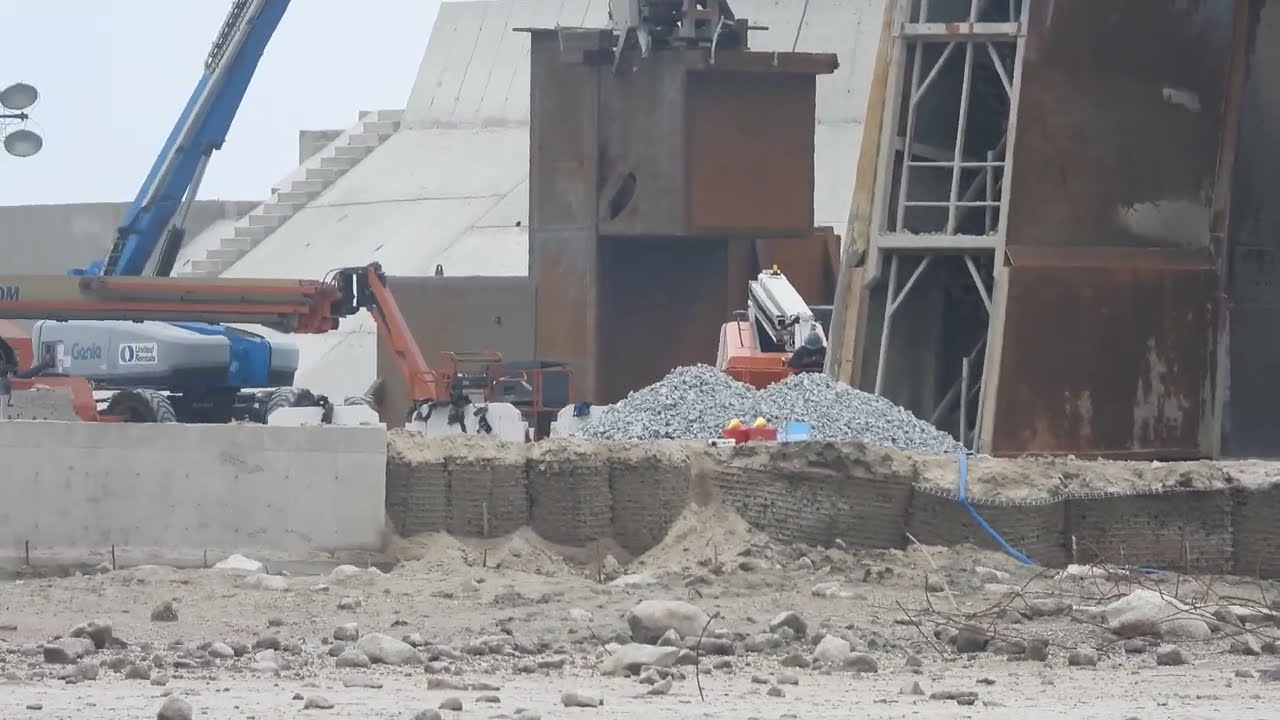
(80,488)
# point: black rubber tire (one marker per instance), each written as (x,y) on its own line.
(289,397)
(142,406)
(364,400)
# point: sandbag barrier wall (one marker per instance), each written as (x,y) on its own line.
(814,493)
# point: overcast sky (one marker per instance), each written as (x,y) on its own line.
(114,74)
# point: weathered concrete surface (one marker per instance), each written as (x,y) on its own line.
(77,489)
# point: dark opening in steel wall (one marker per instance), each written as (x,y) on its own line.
(1111,327)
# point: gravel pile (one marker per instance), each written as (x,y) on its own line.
(689,403)
(836,411)
(695,402)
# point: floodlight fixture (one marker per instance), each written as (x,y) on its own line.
(23,143)
(18,96)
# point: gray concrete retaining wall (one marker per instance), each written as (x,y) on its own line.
(167,492)
(1177,518)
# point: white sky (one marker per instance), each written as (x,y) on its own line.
(114,74)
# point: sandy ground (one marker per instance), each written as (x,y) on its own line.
(521,592)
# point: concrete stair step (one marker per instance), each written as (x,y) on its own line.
(389,115)
(328,175)
(267,221)
(253,232)
(314,187)
(384,128)
(237,243)
(288,209)
(296,196)
(353,151)
(205,268)
(339,162)
(230,256)
(366,139)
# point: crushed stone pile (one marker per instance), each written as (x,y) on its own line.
(689,403)
(695,402)
(836,411)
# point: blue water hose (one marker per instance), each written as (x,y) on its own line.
(963,458)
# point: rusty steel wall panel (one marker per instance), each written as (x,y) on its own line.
(457,314)
(563,133)
(562,138)
(642,139)
(808,262)
(1118,123)
(750,152)
(1105,353)
(662,302)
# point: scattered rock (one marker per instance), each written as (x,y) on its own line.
(956,695)
(826,590)
(98,631)
(582,698)
(553,663)
(1170,655)
(349,603)
(775,691)
(221,651)
(349,632)
(1246,644)
(670,638)
(787,678)
(661,688)
(262,581)
(934,584)
(67,651)
(388,650)
(175,708)
(760,679)
(1147,612)
(267,642)
(970,640)
(831,650)
(1134,646)
(790,620)
(428,715)
(164,612)
(991,575)
(1244,673)
(861,662)
(160,679)
(1037,650)
(87,670)
(1047,607)
(651,619)
(353,658)
(912,688)
(723,663)
(630,658)
(914,661)
(796,660)
(35,706)
(1082,658)
(360,681)
(451,703)
(317,702)
(138,671)
(1271,674)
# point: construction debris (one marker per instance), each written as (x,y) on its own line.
(695,402)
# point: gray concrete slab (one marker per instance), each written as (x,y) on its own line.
(79,488)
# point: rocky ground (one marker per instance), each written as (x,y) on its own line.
(512,629)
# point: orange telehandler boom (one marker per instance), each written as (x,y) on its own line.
(290,306)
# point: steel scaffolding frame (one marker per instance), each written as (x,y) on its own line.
(920,23)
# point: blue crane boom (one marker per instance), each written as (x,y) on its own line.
(201,129)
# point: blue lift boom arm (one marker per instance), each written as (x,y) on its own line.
(201,129)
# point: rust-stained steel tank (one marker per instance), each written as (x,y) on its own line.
(650,186)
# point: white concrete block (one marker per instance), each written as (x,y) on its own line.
(315,173)
(227,255)
(295,196)
(382,128)
(355,151)
(369,139)
(339,162)
(281,208)
(175,490)
(208,266)
(237,243)
(296,417)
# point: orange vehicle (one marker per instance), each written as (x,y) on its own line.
(290,306)
(756,346)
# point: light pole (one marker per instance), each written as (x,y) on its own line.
(21,142)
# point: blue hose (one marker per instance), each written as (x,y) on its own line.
(964,501)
